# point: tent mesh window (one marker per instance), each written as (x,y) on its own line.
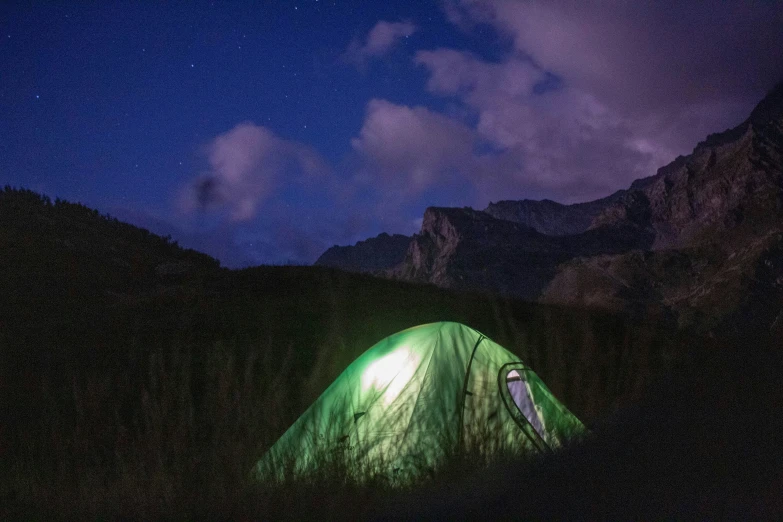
(520,393)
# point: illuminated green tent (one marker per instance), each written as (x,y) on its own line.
(418,396)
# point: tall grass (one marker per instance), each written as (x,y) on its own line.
(180,435)
(177,432)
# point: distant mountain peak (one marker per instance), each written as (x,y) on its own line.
(770,108)
(371,255)
(730,178)
(550,217)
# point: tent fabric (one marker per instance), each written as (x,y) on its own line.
(418,396)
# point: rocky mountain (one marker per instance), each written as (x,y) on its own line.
(716,284)
(700,241)
(550,217)
(383,252)
(732,179)
(372,255)
(716,216)
(469,249)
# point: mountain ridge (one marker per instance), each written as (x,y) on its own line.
(550,217)
(371,255)
(690,239)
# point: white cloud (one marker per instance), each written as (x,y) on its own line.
(634,90)
(454,72)
(643,57)
(410,148)
(379,41)
(565,143)
(246,166)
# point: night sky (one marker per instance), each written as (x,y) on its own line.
(267,133)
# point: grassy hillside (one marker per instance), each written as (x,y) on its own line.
(137,376)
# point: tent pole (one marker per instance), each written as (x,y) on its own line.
(465,394)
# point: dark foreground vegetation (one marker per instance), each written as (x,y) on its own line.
(141,380)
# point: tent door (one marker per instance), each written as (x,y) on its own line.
(515,392)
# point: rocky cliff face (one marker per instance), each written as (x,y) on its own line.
(372,255)
(716,217)
(471,250)
(731,179)
(728,285)
(547,217)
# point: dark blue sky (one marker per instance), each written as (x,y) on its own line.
(266,133)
